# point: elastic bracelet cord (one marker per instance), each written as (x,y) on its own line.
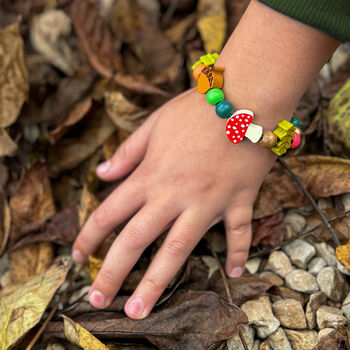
(239,123)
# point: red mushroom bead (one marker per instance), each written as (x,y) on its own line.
(237,125)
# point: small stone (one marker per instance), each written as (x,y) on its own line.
(324,332)
(324,203)
(272,278)
(332,283)
(302,340)
(343,269)
(235,342)
(300,252)
(211,263)
(329,317)
(296,221)
(290,313)
(279,340)
(279,263)
(260,315)
(265,346)
(346,307)
(252,265)
(54,346)
(302,281)
(287,293)
(256,345)
(316,265)
(325,251)
(315,301)
(346,201)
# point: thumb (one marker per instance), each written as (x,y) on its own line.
(238,236)
(129,154)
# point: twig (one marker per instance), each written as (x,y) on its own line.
(302,235)
(227,288)
(54,309)
(312,201)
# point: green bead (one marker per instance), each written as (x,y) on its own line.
(215,96)
(224,109)
(296,122)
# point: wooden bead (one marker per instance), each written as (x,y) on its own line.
(268,140)
(210,78)
(197,70)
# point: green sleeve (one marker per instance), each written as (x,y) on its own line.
(330,16)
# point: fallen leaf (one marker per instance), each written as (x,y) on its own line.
(32,203)
(31,260)
(13,75)
(7,146)
(322,176)
(177,32)
(95,37)
(68,153)
(339,339)
(242,289)
(22,308)
(78,335)
(343,255)
(212,24)
(5,221)
(61,229)
(78,112)
(340,226)
(88,203)
(268,231)
(339,122)
(190,320)
(49,35)
(124,113)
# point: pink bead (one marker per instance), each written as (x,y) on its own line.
(296,141)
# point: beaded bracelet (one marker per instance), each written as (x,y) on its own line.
(239,124)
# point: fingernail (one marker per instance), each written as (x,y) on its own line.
(77,256)
(236,272)
(97,299)
(136,307)
(103,167)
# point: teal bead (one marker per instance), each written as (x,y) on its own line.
(224,109)
(296,122)
(215,96)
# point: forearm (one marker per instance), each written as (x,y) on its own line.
(270,60)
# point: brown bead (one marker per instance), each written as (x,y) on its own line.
(268,140)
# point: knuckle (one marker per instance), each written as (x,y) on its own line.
(177,247)
(134,238)
(101,215)
(239,229)
(106,278)
(153,285)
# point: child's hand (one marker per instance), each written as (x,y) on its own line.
(186,174)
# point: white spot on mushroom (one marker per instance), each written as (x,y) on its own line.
(242,126)
(229,126)
(234,128)
(235,141)
(236,131)
(227,132)
(246,120)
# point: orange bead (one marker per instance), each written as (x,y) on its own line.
(197,70)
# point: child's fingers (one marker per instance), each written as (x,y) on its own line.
(127,248)
(129,154)
(116,208)
(238,236)
(185,233)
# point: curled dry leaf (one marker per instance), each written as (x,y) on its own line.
(343,254)
(78,335)
(190,320)
(124,113)
(32,203)
(14,79)
(77,113)
(322,176)
(49,33)
(68,153)
(22,307)
(212,24)
(339,339)
(339,122)
(5,221)
(31,260)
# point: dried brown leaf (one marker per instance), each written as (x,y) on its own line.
(49,33)
(339,339)
(31,260)
(190,320)
(7,146)
(343,255)
(68,153)
(88,203)
(124,113)
(13,76)
(22,307)
(32,203)
(322,176)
